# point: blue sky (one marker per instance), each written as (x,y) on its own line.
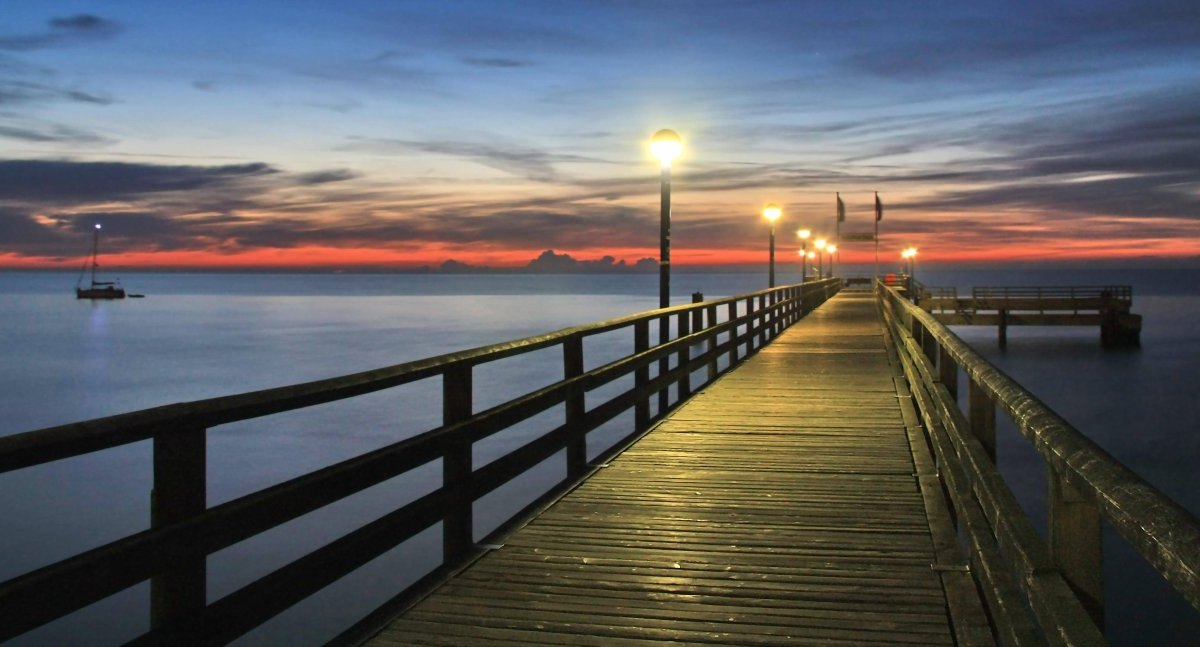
(411,132)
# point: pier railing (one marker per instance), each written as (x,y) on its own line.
(1059,578)
(711,337)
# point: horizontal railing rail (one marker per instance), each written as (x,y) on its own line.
(184,531)
(1115,292)
(1060,578)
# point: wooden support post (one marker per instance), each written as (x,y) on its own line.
(1076,542)
(641,376)
(458,533)
(576,406)
(776,313)
(711,314)
(756,322)
(664,364)
(752,319)
(682,357)
(1003,329)
(929,345)
(764,319)
(982,416)
(733,334)
(178,595)
(947,371)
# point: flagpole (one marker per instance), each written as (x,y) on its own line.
(877,235)
(837,232)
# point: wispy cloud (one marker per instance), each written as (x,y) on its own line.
(479,61)
(533,164)
(21,92)
(68,181)
(53,134)
(63,31)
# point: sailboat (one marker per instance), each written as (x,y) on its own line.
(98,289)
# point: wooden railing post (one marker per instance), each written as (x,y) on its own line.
(576,406)
(698,315)
(180,493)
(682,357)
(982,416)
(1076,542)
(641,376)
(776,320)
(733,335)
(947,371)
(664,364)
(763,320)
(458,533)
(711,315)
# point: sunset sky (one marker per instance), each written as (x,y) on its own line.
(398,134)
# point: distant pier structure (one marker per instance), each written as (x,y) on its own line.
(1107,307)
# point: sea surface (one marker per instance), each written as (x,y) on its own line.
(204,335)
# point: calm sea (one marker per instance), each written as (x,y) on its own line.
(203,335)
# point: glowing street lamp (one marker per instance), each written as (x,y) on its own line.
(804,234)
(666,146)
(910,255)
(820,245)
(772,212)
(832,249)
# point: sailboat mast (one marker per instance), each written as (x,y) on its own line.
(95,250)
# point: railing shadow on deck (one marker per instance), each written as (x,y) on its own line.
(1037,590)
(185,531)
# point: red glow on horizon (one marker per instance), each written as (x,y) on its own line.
(967,251)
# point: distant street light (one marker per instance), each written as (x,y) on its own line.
(772,212)
(832,249)
(804,234)
(820,244)
(666,146)
(910,255)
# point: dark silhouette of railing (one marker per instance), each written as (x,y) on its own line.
(1059,578)
(184,531)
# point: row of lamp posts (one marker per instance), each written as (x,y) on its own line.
(821,246)
(666,146)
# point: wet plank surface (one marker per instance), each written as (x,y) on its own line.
(778,506)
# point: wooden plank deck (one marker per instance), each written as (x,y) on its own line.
(781,505)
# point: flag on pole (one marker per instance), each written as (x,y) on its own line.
(878,217)
(841,209)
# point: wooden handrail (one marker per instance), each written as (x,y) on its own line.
(1085,479)
(173,551)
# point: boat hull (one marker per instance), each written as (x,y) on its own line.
(99,293)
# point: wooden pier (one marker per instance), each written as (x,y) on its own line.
(799,466)
(783,502)
(1106,307)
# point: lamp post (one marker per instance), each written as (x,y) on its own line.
(666,146)
(772,212)
(832,249)
(910,255)
(804,234)
(820,245)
